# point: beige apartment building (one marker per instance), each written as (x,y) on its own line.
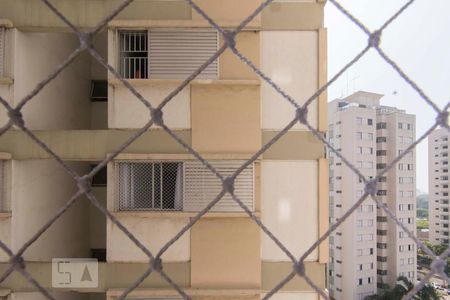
(438,201)
(154,187)
(369,248)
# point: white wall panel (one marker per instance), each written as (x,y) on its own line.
(153,233)
(126,111)
(290,59)
(289,194)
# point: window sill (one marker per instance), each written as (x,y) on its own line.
(5,215)
(149,82)
(6,81)
(181,214)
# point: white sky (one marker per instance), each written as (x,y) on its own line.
(419,41)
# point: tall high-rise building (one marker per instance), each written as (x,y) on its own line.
(438,182)
(155,186)
(369,249)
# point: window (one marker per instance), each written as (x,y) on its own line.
(368,165)
(163,53)
(400,125)
(178,185)
(405,180)
(99,91)
(360,281)
(133,54)
(381,139)
(381,166)
(359,120)
(100,178)
(359,135)
(409,126)
(369,122)
(2,50)
(381,125)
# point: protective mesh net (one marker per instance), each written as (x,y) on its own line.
(300,113)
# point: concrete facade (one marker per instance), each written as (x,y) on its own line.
(225,255)
(370,249)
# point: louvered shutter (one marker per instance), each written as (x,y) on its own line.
(201,186)
(177,53)
(2,51)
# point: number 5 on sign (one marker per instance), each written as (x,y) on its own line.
(74,273)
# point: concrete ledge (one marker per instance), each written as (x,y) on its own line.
(153,82)
(201,23)
(95,145)
(274,272)
(148,214)
(115,277)
(6,80)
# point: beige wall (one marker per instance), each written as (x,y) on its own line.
(41,188)
(289,207)
(220,10)
(126,111)
(154,233)
(97,220)
(226,119)
(57,295)
(293,67)
(5,236)
(64,103)
(225,253)
(87,13)
(6,92)
(99,115)
(98,72)
(231,67)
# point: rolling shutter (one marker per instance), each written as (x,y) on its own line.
(201,186)
(177,53)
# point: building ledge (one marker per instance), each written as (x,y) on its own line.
(181,214)
(6,23)
(189,291)
(6,80)
(5,215)
(122,24)
(153,82)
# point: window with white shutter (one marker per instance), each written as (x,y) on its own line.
(179,185)
(163,53)
(2,51)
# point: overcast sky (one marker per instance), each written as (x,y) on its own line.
(419,41)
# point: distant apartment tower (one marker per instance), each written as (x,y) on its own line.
(369,249)
(438,182)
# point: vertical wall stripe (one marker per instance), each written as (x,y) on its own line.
(323,74)
(323,208)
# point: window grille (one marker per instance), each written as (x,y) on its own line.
(179,185)
(167,53)
(2,50)
(150,185)
(133,54)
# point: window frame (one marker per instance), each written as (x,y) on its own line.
(148,73)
